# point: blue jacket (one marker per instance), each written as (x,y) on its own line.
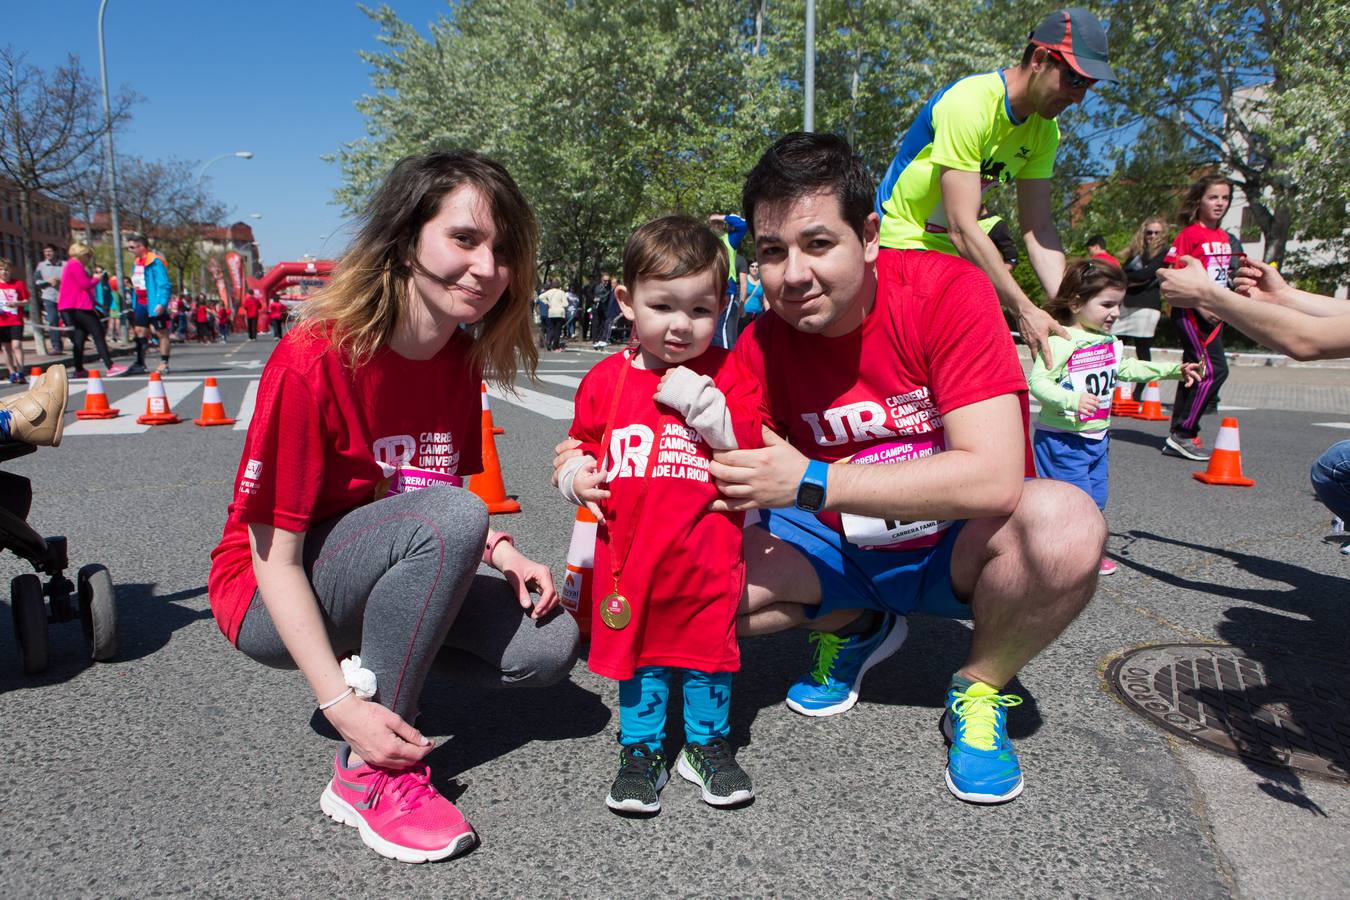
(158,287)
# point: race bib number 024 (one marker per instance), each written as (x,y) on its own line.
(1092,370)
(868,533)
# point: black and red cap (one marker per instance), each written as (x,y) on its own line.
(1076,35)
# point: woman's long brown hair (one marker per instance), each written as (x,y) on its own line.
(1189,213)
(361,308)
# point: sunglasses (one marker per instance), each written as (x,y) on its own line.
(1152,233)
(1071,78)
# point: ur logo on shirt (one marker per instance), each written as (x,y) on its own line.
(858,422)
(629,449)
(395,450)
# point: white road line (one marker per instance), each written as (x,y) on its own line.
(132,406)
(568,381)
(1224,407)
(245,414)
(542,404)
(1332,424)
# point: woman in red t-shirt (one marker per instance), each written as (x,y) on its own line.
(349,531)
(1201,339)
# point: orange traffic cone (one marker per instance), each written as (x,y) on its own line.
(213,409)
(488,484)
(487,412)
(576,589)
(34,374)
(1151,411)
(96,401)
(1225,464)
(157,410)
(1122,405)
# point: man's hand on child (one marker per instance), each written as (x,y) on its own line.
(1190,373)
(758,479)
(587,484)
(1088,404)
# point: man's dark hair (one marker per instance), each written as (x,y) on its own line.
(1026,56)
(51,247)
(1097,241)
(800,164)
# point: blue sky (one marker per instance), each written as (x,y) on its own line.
(278,78)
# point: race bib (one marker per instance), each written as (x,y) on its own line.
(1092,370)
(138,277)
(9,301)
(868,533)
(405,479)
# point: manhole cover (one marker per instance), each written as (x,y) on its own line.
(1268,706)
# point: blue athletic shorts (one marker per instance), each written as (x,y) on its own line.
(140,316)
(901,582)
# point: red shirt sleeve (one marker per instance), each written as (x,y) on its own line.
(744,404)
(282,471)
(971,356)
(1180,247)
(749,354)
(588,419)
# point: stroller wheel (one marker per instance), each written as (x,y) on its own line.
(30,622)
(98,611)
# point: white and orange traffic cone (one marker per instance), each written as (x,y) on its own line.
(1225,463)
(213,408)
(96,401)
(157,411)
(489,484)
(1151,410)
(576,589)
(1123,405)
(34,374)
(487,412)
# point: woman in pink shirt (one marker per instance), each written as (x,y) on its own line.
(75,301)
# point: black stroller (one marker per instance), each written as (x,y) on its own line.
(90,599)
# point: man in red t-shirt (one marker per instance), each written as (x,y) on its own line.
(251,306)
(900,485)
(1096,248)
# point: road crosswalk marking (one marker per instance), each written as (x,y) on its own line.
(245,414)
(542,404)
(1332,424)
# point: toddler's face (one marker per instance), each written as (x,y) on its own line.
(673,319)
(1101,312)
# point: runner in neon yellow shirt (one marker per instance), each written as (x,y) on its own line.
(991,129)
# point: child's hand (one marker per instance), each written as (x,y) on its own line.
(1088,404)
(587,486)
(1190,373)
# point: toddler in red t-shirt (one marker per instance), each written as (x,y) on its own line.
(669,573)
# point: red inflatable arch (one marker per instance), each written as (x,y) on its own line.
(281,274)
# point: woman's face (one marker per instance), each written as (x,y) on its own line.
(1214,203)
(754,270)
(460,276)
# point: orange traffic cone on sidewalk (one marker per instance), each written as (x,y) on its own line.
(213,409)
(1151,411)
(1225,463)
(34,374)
(576,589)
(488,484)
(157,411)
(96,401)
(1123,405)
(487,412)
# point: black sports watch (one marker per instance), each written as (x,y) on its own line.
(811,491)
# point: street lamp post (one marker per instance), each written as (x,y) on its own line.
(112,157)
(241,154)
(809,82)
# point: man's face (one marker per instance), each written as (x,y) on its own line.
(817,274)
(136,247)
(1055,85)
(48,253)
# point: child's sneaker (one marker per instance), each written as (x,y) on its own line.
(637,787)
(399,814)
(712,766)
(1107,566)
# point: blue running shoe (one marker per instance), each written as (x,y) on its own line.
(982,766)
(832,685)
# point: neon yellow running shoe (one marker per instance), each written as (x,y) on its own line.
(982,766)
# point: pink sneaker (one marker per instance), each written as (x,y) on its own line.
(1108,566)
(399,814)
(116,371)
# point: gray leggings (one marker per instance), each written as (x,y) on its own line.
(400,581)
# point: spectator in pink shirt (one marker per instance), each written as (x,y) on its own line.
(75,301)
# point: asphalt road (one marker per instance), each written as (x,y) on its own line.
(182,767)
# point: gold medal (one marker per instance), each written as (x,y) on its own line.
(615,611)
